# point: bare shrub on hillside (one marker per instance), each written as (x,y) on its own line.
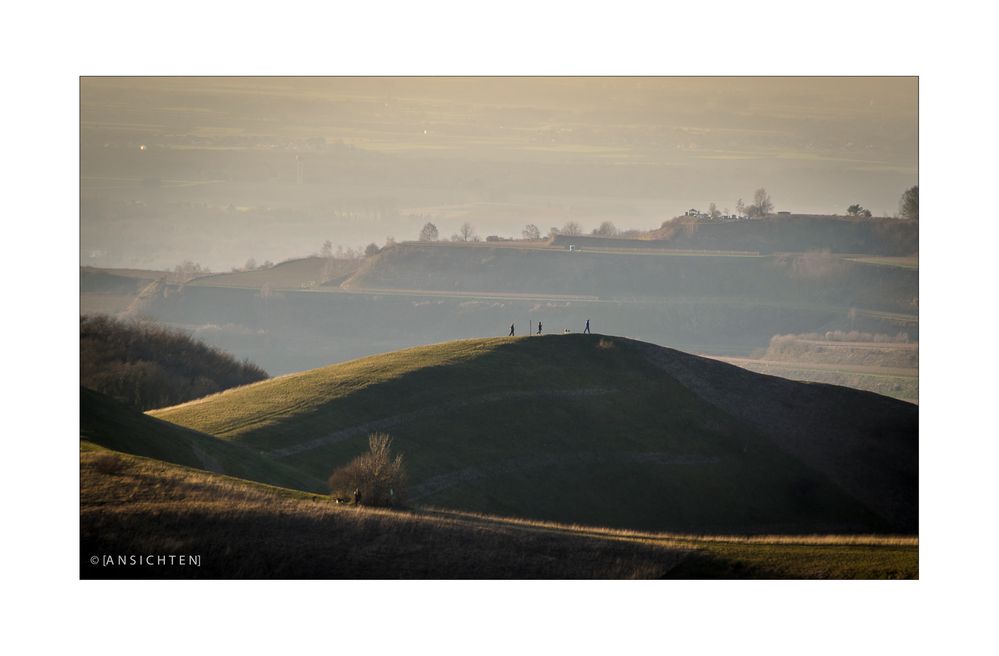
(108,464)
(377,477)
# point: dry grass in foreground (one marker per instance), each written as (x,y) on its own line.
(137,506)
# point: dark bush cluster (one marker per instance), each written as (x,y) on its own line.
(147,365)
(376,478)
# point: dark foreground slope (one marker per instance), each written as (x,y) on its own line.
(210,526)
(595,430)
(114,425)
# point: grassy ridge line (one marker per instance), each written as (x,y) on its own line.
(242,529)
(235,411)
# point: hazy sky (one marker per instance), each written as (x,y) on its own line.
(218,170)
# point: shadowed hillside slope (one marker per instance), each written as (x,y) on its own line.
(114,425)
(595,430)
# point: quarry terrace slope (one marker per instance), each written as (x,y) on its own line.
(593,429)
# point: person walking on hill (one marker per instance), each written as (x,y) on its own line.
(511,330)
(539,327)
(586,331)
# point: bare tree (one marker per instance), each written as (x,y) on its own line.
(762,205)
(377,477)
(467,232)
(740,207)
(429,232)
(572,229)
(531,232)
(908,205)
(372,249)
(327,250)
(713,211)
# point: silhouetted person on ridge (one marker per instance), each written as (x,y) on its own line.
(357,496)
(586,331)
(539,327)
(511,330)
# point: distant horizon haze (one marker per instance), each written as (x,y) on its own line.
(222,170)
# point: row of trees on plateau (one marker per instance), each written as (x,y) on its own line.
(531,232)
(466,232)
(908,206)
(761,206)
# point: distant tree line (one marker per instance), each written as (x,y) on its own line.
(147,365)
(908,205)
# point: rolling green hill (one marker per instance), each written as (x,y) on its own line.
(595,430)
(116,426)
